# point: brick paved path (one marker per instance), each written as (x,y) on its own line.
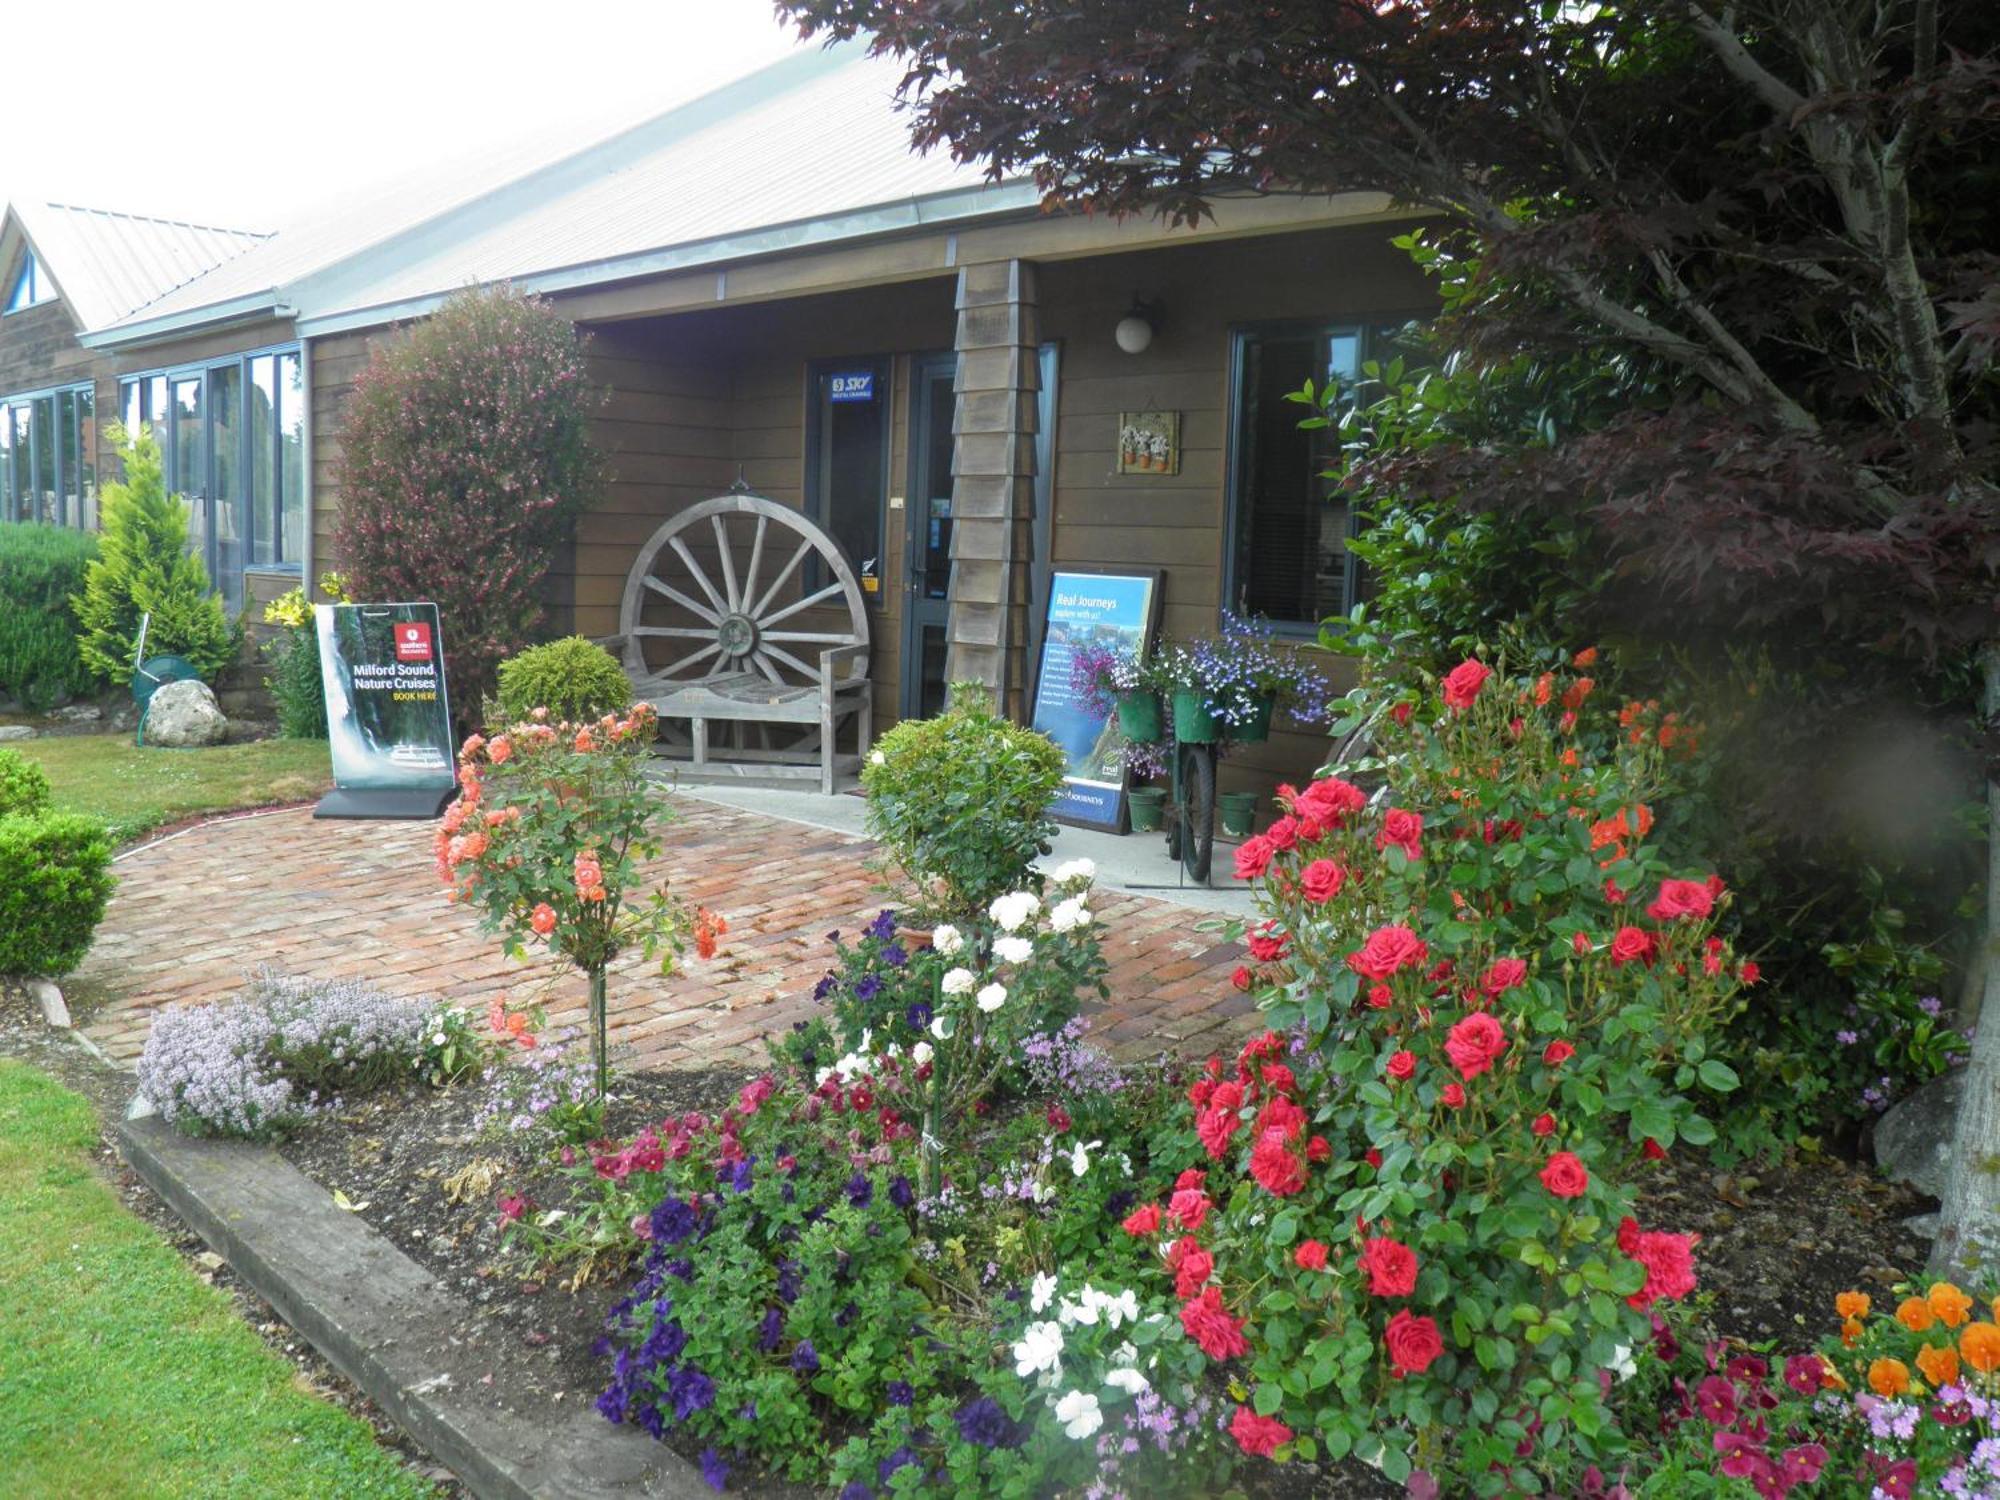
(197,912)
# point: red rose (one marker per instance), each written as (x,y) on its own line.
(1209,1324)
(1401,1065)
(1401,712)
(1319,1149)
(1412,1342)
(1613,892)
(1276,1166)
(1632,944)
(1403,829)
(1283,834)
(1258,1436)
(1557,1053)
(1565,1175)
(1749,973)
(1311,1256)
(1200,1092)
(1452,1096)
(1391,1267)
(1193,1177)
(1475,1043)
(1215,1126)
(1668,1259)
(1652,1150)
(1682,898)
(1188,1207)
(1282,1115)
(1192,1274)
(1253,857)
(1278,1076)
(1240,978)
(1544,1125)
(1321,880)
(1463,682)
(1330,801)
(1373,1158)
(1503,975)
(1580,941)
(1143,1220)
(1388,950)
(1266,944)
(1228,1095)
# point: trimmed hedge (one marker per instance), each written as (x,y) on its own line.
(41,567)
(573,678)
(55,878)
(24,788)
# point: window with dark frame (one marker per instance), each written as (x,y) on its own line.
(48,456)
(847,463)
(1286,558)
(29,287)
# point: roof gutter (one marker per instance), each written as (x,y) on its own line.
(244,309)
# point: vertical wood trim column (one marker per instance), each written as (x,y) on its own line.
(993,478)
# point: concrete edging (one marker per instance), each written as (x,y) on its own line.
(380,1319)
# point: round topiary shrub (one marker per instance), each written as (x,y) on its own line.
(572,678)
(55,878)
(962,803)
(23,787)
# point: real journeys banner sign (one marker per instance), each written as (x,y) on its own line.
(387,719)
(1109,609)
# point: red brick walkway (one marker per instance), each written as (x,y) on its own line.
(197,912)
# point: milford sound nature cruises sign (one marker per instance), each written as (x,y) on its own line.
(387,717)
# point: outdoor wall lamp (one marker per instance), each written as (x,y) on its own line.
(1135,330)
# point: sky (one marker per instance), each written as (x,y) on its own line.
(243,113)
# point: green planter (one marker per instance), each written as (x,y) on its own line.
(1193,723)
(1139,718)
(1259,726)
(1239,813)
(1149,808)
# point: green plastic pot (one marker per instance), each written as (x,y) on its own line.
(1239,812)
(1149,808)
(1139,718)
(1258,727)
(1193,723)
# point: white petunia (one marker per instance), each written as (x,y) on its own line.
(959,981)
(1013,950)
(1069,1313)
(1079,1157)
(1121,1309)
(1079,1414)
(1071,871)
(1129,1381)
(1014,908)
(942,1028)
(947,939)
(1041,1292)
(921,1053)
(991,998)
(1069,915)
(1040,1348)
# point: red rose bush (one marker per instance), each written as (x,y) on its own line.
(1415,1239)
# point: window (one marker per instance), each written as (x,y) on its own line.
(30,287)
(48,457)
(847,463)
(1286,557)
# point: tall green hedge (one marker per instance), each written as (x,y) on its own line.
(55,875)
(40,568)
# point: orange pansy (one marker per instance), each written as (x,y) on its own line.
(1950,1304)
(1939,1362)
(1915,1314)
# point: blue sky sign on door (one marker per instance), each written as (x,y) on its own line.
(852,385)
(1084,608)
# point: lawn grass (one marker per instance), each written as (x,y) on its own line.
(121,1373)
(137,788)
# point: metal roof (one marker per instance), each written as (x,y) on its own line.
(108,265)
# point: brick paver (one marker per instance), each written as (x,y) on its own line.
(195,913)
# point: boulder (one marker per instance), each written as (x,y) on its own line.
(183,715)
(1913,1137)
(17,731)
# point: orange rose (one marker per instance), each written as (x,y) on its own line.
(1939,1362)
(1950,1304)
(1915,1314)
(1980,1344)
(1888,1378)
(1852,1305)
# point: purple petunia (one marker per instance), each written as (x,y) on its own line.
(805,1358)
(860,1191)
(902,1458)
(901,1193)
(899,1393)
(674,1220)
(770,1330)
(884,926)
(714,1470)
(981,1421)
(691,1390)
(854,1489)
(894,956)
(867,987)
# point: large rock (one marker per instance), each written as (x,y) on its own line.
(1913,1137)
(183,715)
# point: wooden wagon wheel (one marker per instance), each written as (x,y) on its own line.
(736,615)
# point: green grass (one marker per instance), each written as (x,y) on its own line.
(136,788)
(121,1373)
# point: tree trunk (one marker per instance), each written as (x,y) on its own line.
(1969,1222)
(600,1047)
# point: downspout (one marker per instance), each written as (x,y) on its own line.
(306,463)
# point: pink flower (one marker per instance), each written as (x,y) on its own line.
(544,919)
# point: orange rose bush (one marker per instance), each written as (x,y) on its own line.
(1415,1238)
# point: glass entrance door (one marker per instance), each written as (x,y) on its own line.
(927,603)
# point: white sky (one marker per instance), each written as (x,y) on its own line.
(245,112)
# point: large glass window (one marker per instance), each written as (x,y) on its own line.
(1287,557)
(848,462)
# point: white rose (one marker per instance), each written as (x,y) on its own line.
(1014,908)
(1069,915)
(1039,1294)
(1013,950)
(959,981)
(947,940)
(991,998)
(1071,871)
(921,1053)
(1079,1414)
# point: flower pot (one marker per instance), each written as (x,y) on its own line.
(1149,808)
(1239,812)
(1139,717)
(1193,723)
(1257,728)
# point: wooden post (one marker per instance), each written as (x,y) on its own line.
(993,477)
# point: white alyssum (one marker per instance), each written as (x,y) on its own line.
(1039,1350)
(991,998)
(959,981)
(1069,915)
(947,939)
(1013,950)
(1078,1412)
(1013,909)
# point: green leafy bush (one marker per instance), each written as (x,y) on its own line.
(572,678)
(961,802)
(24,788)
(40,568)
(55,877)
(144,568)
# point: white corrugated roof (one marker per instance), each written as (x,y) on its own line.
(111,264)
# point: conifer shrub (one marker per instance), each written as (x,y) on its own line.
(572,678)
(40,568)
(23,787)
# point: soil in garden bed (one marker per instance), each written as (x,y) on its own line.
(1775,1248)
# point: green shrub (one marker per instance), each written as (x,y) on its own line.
(572,678)
(55,877)
(295,686)
(40,568)
(144,568)
(962,803)
(23,788)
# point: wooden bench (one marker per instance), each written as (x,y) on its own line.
(743,649)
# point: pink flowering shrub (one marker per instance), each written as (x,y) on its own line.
(1415,1239)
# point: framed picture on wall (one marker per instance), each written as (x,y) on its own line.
(1149,442)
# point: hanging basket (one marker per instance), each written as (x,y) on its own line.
(1139,718)
(1149,808)
(1257,728)
(1239,813)
(1193,723)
